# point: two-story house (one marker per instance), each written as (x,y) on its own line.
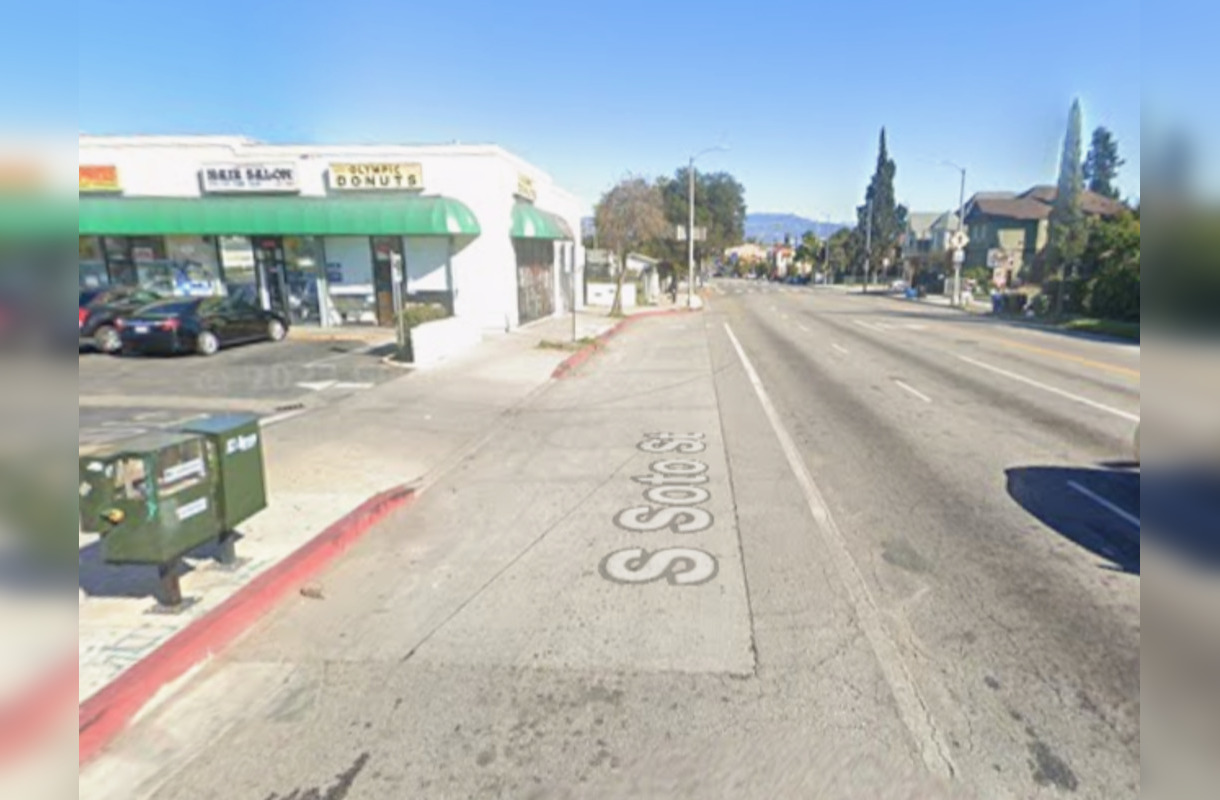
(927,239)
(1008,231)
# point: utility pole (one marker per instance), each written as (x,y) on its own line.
(690,228)
(961,221)
(868,246)
(826,250)
(690,238)
(959,254)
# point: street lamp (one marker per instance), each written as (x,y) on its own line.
(961,221)
(690,228)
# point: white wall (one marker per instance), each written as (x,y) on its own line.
(484,178)
(426,259)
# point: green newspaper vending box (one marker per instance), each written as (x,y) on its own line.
(156,497)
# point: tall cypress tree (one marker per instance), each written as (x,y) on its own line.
(1068,231)
(1101,165)
(889,219)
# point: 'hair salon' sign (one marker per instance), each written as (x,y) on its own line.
(249,178)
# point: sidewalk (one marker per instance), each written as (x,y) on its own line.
(320,466)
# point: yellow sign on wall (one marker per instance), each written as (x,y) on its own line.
(525,188)
(99,178)
(393,176)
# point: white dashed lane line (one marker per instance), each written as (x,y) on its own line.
(911,390)
(1053,390)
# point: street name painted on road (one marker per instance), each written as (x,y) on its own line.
(676,490)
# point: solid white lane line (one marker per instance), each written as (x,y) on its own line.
(276,419)
(1106,504)
(912,707)
(1053,390)
(840,348)
(912,390)
(869,326)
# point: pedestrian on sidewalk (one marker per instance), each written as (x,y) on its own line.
(673,287)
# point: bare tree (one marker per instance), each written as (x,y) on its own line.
(629,215)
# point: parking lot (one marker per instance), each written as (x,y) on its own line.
(124,396)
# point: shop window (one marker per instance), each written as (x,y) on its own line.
(194,266)
(93,274)
(237,264)
(120,266)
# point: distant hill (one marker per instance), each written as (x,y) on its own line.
(771,228)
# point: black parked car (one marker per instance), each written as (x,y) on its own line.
(200,325)
(99,309)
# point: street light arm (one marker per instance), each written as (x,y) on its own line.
(720,148)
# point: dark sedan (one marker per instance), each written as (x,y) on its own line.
(100,309)
(200,325)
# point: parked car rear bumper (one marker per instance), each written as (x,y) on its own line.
(157,343)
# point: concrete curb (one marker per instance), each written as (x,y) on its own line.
(585,353)
(104,715)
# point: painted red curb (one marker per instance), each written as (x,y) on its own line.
(105,714)
(24,722)
(585,353)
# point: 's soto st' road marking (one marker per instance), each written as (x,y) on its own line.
(674,497)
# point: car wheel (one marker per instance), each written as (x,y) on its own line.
(206,344)
(107,340)
(276,331)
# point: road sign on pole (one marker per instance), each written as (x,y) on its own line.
(680,233)
(958,240)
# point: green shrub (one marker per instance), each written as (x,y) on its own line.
(418,313)
(1114,294)
(1073,290)
(1041,304)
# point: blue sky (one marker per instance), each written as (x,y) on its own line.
(591,92)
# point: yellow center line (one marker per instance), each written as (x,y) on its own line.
(1088,362)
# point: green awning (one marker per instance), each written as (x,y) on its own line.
(411,215)
(534,223)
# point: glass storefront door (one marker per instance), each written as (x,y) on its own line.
(269,261)
(387,253)
(303,270)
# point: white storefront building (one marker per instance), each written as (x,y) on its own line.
(323,232)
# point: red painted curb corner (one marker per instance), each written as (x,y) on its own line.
(104,715)
(582,355)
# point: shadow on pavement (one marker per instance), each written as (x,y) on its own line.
(1180,505)
(99,579)
(1071,501)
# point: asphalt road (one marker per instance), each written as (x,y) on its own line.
(902,559)
(124,396)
